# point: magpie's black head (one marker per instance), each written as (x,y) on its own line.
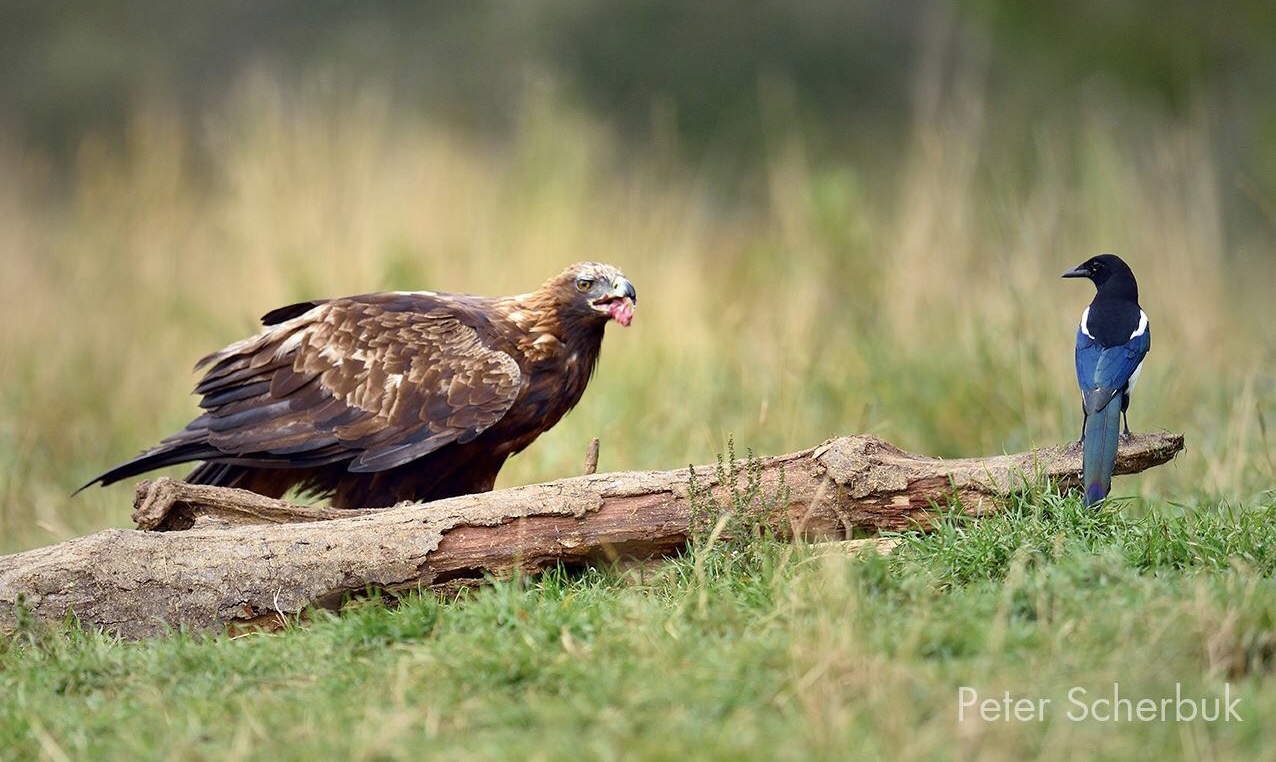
(1109,273)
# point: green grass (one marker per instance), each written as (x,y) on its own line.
(757,650)
(922,305)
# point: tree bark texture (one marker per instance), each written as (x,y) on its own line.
(208,559)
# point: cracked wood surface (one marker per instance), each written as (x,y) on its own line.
(210,559)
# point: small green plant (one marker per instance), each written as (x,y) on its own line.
(735,531)
(746,516)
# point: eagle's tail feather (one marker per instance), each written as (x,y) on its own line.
(219,474)
(1102,435)
(159,457)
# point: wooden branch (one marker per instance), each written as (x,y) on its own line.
(240,559)
(591,458)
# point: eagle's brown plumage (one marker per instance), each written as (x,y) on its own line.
(376,399)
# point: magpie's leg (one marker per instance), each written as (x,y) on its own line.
(1125,419)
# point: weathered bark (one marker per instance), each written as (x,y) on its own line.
(238,558)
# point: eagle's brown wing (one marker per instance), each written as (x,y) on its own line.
(378,380)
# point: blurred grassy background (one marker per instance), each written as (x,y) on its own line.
(881,258)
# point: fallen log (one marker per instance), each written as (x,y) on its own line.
(226,558)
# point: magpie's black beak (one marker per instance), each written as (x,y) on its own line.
(1077,272)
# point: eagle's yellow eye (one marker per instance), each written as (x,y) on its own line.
(583,284)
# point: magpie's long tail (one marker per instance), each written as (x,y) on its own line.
(1102,434)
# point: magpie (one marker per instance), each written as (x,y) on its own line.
(1112,340)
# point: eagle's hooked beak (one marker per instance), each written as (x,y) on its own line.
(619,302)
(621,288)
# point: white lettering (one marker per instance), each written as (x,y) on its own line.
(1076,698)
(989,709)
(1026,710)
(1179,701)
(1094,710)
(1231,704)
(1147,707)
(966,696)
(1102,708)
(1004,709)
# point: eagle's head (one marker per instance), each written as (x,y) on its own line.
(594,291)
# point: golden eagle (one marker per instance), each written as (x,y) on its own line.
(400,396)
